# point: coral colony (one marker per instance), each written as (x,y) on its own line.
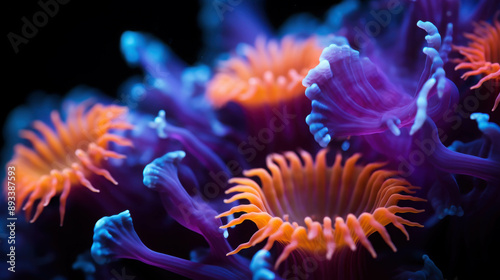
(360,145)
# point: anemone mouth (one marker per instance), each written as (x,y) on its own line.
(310,206)
(66,154)
(482,55)
(268,73)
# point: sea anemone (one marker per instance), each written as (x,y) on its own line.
(482,55)
(267,74)
(265,82)
(351,95)
(115,237)
(316,208)
(67,154)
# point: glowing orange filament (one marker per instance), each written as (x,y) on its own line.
(65,156)
(482,55)
(268,73)
(309,206)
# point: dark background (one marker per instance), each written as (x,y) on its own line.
(80,44)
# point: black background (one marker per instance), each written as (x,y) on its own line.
(80,44)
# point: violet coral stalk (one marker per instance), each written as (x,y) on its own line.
(115,237)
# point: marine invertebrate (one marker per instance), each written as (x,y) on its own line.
(479,199)
(115,237)
(265,82)
(350,95)
(452,162)
(429,271)
(313,207)
(261,266)
(267,74)
(482,54)
(168,84)
(67,154)
(423,158)
(395,113)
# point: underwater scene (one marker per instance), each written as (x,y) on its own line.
(251,139)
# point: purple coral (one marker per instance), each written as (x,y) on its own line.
(352,96)
(115,237)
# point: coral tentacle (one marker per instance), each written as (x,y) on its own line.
(365,199)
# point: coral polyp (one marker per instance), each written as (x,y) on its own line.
(482,55)
(268,73)
(257,140)
(316,208)
(351,95)
(67,154)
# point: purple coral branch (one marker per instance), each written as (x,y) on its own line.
(115,237)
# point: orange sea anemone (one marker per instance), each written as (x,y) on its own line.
(66,155)
(316,208)
(269,73)
(482,55)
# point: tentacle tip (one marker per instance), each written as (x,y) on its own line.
(480,117)
(329,255)
(393,126)
(415,127)
(324,141)
(113,236)
(261,266)
(440,93)
(277,265)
